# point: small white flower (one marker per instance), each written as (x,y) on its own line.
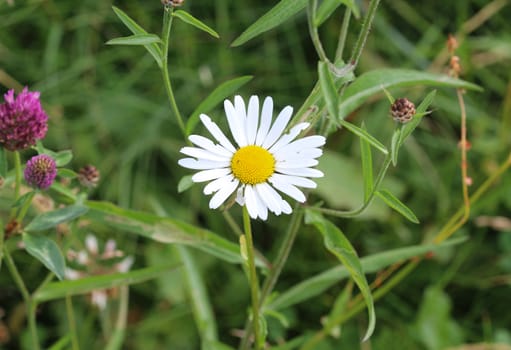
(264,161)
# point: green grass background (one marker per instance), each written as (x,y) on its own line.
(108,104)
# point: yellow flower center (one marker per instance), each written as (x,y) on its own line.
(252,164)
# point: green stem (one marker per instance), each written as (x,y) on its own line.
(167,24)
(119,332)
(24,208)
(72,322)
(254,283)
(30,305)
(17,180)
(364,33)
(276,269)
(342,35)
(313,31)
(355,212)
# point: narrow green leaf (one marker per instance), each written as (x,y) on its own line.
(62,343)
(3,163)
(340,246)
(185,183)
(46,251)
(218,95)
(420,111)
(367,166)
(136,39)
(316,285)
(328,7)
(188,18)
(57,290)
(202,311)
(373,82)
(394,148)
(271,19)
(397,205)
(328,88)
(135,28)
(53,218)
(165,230)
(340,304)
(364,134)
(20,202)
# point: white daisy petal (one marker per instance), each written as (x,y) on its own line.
(278,127)
(295,180)
(287,138)
(262,208)
(292,155)
(270,197)
(286,208)
(240,199)
(192,163)
(200,153)
(304,143)
(219,198)
(304,172)
(252,119)
(217,184)
(251,202)
(266,117)
(217,133)
(212,174)
(297,163)
(289,189)
(209,145)
(236,123)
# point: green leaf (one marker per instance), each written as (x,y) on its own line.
(67,173)
(62,158)
(328,7)
(53,218)
(3,163)
(46,251)
(340,246)
(420,111)
(58,290)
(166,230)
(367,166)
(271,19)
(397,205)
(394,148)
(136,39)
(218,95)
(329,90)
(316,285)
(185,183)
(62,343)
(202,311)
(373,82)
(20,202)
(188,18)
(365,135)
(135,28)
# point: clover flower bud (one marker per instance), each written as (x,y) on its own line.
(40,171)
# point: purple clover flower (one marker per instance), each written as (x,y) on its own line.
(22,120)
(40,171)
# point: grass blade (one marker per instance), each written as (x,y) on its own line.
(271,19)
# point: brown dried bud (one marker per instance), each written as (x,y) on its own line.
(173,3)
(89,176)
(452,44)
(455,66)
(402,110)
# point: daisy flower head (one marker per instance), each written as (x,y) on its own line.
(261,162)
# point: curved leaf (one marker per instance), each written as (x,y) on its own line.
(166,230)
(397,205)
(365,135)
(373,82)
(329,90)
(271,19)
(46,251)
(340,246)
(53,218)
(188,18)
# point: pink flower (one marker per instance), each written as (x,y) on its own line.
(22,120)
(40,171)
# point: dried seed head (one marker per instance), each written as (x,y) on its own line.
(402,110)
(89,176)
(173,3)
(455,66)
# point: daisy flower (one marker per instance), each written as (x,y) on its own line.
(261,163)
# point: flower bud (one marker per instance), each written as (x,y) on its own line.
(40,171)
(402,110)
